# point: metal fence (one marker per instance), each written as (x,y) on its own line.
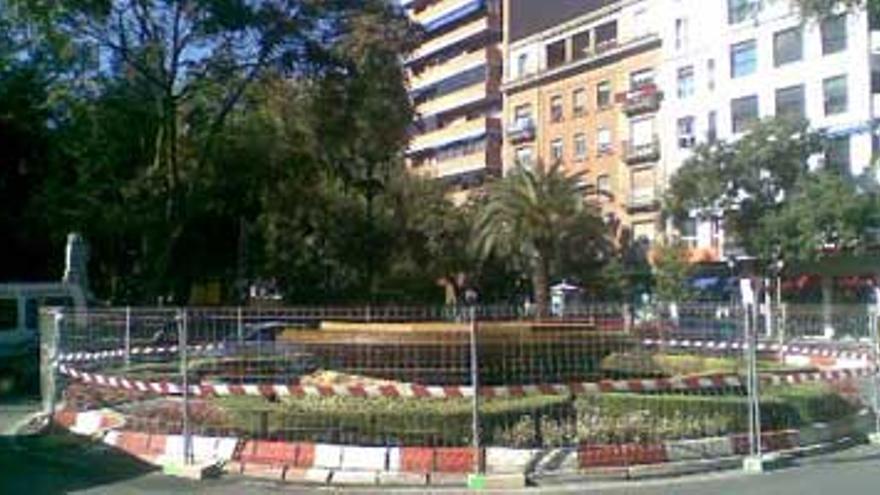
(598,375)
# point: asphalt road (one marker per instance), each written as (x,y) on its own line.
(56,464)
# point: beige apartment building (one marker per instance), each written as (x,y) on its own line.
(579,90)
(455,79)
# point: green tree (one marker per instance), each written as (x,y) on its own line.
(747,179)
(825,205)
(540,219)
(672,270)
(150,125)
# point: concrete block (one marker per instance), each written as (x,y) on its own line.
(328,456)
(358,478)
(364,458)
(510,461)
(511,481)
(707,448)
(763,463)
(397,478)
(557,461)
(316,476)
(448,479)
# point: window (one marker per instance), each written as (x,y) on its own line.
(743,59)
(743,113)
(555,54)
(603,184)
(556,109)
(580,146)
(606,36)
(523,157)
(687,229)
(685,81)
(523,112)
(641,132)
(833,34)
(686,135)
(522,116)
(603,140)
(580,45)
(603,94)
(8,314)
(681,33)
(790,102)
(837,154)
(836,100)
(641,78)
(556,150)
(522,64)
(579,102)
(710,74)
(787,46)
(712,126)
(642,186)
(740,10)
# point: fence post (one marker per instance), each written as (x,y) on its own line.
(50,334)
(874,315)
(182,344)
(475,401)
(127,337)
(754,462)
(239,327)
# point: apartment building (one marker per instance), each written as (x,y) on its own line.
(455,77)
(727,63)
(579,90)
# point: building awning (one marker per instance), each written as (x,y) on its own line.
(454,15)
(449,141)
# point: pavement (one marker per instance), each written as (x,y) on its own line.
(60,463)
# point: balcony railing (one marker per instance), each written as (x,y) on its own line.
(643,200)
(645,98)
(642,152)
(522,130)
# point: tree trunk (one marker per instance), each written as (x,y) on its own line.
(540,289)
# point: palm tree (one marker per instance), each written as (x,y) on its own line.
(539,217)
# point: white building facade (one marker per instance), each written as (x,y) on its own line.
(726,63)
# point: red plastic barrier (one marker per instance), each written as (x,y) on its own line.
(771,441)
(453,460)
(416,460)
(621,455)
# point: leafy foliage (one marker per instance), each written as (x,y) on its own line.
(672,270)
(539,218)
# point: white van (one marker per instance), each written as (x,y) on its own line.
(19,328)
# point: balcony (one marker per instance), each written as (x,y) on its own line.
(645,98)
(642,200)
(521,131)
(643,152)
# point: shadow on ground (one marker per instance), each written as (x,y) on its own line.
(59,463)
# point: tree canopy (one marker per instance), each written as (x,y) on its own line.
(772,191)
